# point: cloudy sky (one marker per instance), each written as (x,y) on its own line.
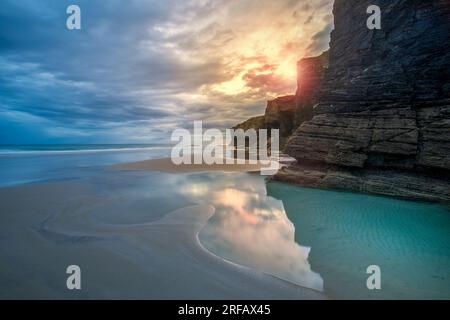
(140,68)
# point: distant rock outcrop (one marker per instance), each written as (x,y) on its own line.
(280,114)
(287,113)
(382,119)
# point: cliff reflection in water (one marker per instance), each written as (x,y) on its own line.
(252,229)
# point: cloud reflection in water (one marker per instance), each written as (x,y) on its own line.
(252,229)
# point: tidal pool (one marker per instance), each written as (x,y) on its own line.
(326,240)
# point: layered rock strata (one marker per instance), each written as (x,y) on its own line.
(287,113)
(382,119)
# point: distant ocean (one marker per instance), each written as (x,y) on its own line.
(22,164)
(74,148)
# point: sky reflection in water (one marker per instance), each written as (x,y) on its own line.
(252,229)
(346,232)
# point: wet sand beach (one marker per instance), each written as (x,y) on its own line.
(46,227)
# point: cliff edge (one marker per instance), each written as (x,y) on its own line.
(287,113)
(381,116)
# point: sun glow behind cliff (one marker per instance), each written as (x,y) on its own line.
(257,45)
(138,69)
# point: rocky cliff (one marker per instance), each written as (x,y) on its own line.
(382,119)
(287,113)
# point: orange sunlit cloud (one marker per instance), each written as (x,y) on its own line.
(141,68)
(256,45)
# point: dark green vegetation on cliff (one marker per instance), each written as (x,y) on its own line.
(381,118)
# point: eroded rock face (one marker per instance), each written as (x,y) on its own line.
(382,122)
(287,113)
(280,114)
(252,123)
(310,74)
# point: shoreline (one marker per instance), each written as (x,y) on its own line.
(166,165)
(62,228)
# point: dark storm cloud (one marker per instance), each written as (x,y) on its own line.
(96,73)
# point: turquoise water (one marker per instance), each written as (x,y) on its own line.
(409,241)
(319,239)
(326,240)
